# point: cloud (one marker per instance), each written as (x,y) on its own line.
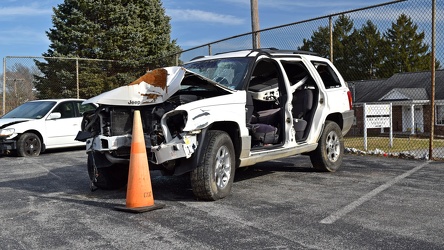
(203,16)
(31,10)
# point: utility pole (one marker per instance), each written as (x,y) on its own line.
(432,88)
(255,24)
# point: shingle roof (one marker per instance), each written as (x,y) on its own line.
(414,85)
(406,94)
(365,91)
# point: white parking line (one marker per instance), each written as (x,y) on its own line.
(350,207)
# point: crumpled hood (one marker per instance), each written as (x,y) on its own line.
(154,87)
(6,122)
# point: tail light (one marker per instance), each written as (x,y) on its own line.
(350,99)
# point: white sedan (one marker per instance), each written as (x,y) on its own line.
(37,125)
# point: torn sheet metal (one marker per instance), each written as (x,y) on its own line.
(175,149)
(155,86)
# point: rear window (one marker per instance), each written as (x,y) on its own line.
(328,75)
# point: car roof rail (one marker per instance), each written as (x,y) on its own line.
(304,52)
(268,51)
(231,51)
(220,53)
(197,57)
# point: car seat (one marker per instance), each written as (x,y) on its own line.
(66,111)
(263,125)
(302,104)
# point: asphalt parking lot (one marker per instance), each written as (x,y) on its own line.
(370,203)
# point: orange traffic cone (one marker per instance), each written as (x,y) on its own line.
(139,194)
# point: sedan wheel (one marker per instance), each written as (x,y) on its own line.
(29,145)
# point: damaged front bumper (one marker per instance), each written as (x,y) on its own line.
(7,145)
(179,147)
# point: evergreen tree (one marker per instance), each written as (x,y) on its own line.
(369,44)
(319,42)
(127,35)
(344,46)
(365,53)
(404,49)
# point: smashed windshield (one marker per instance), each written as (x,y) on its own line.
(226,71)
(32,110)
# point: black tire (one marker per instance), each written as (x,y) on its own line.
(29,145)
(328,155)
(213,177)
(108,178)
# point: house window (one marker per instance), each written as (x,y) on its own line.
(439,114)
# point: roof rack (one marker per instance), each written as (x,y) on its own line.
(197,57)
(293,52)
(221,53)
(268,51)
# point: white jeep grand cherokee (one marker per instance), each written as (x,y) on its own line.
(218,113)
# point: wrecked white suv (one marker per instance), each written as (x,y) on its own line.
(218,113)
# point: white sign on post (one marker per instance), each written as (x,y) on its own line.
(378,122)
(377,116)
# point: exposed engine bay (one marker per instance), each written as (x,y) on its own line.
(118,120)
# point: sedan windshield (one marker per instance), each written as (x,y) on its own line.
(32,110)
(229,72)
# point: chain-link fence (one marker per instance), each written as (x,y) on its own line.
(30,78)
(370,46)
(405,87)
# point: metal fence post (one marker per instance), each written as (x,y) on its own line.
(4,87)
(330,25)
(77,78)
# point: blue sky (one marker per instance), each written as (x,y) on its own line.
(194,22)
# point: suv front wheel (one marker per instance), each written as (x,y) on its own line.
(213,177)
(328,155)
(111,177)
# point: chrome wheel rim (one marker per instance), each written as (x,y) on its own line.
(333,146)
(222,171)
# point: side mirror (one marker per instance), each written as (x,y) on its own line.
(54,115)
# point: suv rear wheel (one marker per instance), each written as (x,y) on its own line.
(213,177)
(328,155)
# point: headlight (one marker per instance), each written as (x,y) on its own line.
(6,132)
